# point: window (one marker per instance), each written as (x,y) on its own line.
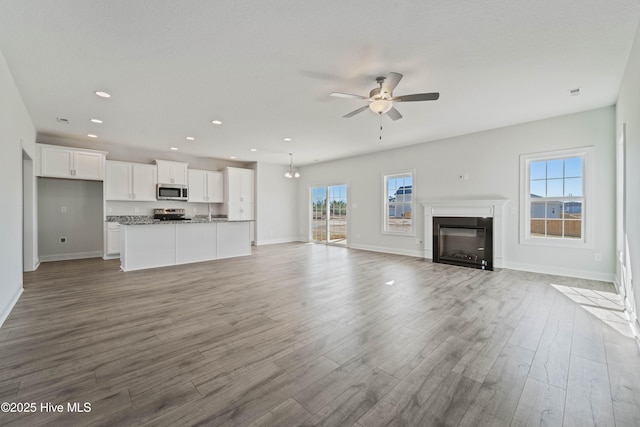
(554,196)
(398,203)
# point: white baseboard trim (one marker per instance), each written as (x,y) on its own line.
(634,324)
(418,253)
(110,256)
(77,255)
(12,302)
(559,271)
(276,241)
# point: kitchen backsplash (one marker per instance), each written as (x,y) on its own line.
(115,208)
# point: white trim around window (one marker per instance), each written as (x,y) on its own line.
(583,201)
(398,203)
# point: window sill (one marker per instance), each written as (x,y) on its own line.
(397,233)
(556,243)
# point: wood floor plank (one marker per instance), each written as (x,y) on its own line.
(551,363)
(406,403)
(587,340)
(540,404)
(302,334)
(588,401)
(500,392)
(623,364)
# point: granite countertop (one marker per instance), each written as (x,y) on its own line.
(148,220)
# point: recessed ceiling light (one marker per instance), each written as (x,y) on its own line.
(103,94)
(254,149)
(288,139)
(90,135)
(173,149)
(190,138)
(216,122)
(96,120)
(232,157)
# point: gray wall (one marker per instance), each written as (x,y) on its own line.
(81,224)
(17,136)
(628,113)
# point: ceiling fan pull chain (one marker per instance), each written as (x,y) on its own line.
(380,127)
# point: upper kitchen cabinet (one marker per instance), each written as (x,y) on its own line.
(73,163)
(172,172)
(206,186)
(130,181)
(239,187)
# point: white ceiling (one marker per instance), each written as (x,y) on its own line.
(266,68)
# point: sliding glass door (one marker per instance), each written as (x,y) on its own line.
(329,214)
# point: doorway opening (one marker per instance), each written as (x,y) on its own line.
(329,214)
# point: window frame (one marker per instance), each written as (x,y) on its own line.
(385,202)
(586,241)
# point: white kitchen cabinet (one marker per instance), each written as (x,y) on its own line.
(239,187)
(159,245)
(73,163)
(206,186)
(172,172)
(112,239)
(130,181)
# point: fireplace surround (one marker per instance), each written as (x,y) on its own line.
(484,208)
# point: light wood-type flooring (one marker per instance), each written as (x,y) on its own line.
(303,334)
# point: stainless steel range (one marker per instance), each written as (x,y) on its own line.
(169,214)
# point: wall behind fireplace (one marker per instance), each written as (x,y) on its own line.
(491,158)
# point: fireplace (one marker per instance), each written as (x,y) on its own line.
(464,241)
(486,209)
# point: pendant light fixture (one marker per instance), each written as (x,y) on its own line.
(292,172)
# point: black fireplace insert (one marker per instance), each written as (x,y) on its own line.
(463,241)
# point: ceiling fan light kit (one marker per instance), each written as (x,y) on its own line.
(380,106)
(382,99)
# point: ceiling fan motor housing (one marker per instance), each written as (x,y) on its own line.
(377,93)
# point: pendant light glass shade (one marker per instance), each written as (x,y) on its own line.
(292,172)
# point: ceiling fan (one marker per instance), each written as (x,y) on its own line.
(382,99)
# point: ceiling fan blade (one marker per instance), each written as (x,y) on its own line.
(391,82)
(354,112)
(417,97)
(394,114)
(347,95)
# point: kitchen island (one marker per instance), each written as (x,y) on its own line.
(149,244)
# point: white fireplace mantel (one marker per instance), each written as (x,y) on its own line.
(487,208)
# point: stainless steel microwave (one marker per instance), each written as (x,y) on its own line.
(172,192)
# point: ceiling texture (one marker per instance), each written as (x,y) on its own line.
(266,69)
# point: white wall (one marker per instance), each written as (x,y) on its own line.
(491,159)
(16,134)
(628,113)
(276,197)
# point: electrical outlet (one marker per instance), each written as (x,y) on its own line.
(597,257)
(63,209)
(136,210)
(63,240)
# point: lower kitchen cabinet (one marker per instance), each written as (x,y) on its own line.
(112,240)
